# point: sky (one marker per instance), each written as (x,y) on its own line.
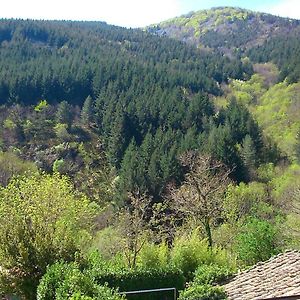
(133,13)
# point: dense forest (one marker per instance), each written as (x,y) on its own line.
(139,159)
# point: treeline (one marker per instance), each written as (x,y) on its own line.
(70,60)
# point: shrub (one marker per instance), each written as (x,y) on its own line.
(65,281)
(212,274)
(116,275)
(202,292)
(256,242)
(152,256)
(191,252)
(131,280)
(188,253)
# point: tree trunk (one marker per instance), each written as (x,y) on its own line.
(208,233)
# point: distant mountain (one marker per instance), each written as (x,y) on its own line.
(225,28)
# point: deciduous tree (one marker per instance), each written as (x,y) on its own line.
(200,196)
(42,220)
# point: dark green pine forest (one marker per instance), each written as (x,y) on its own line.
(146,158)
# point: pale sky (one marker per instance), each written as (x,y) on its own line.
(133,13)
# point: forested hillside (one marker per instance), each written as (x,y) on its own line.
(226,28)
(146,158)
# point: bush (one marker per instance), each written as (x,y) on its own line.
(188,253)
(191,252)
(152,256)
(202,292)
(131,280)
(65,281)
(256,242)
(116,275)
(212,274)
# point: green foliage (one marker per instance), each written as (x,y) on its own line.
(248,92)
(58,166)
(61,132)
(203,292)
(188,253)
(248,154)
(235,30)
(42,220)
(9,124)
(108,242)
(87,112)
(278,115)
(64,114)
(41,106)
(152,256)
(113,57)
(283,50)
(286,180)
(65,281)
(256,242)
(212,274)
(139,279)
(266,172)
(244,200)
(79,296)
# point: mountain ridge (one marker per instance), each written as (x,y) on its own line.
(225,28)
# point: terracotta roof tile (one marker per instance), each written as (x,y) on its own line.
(277,277)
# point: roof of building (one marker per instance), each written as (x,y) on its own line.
(277,277)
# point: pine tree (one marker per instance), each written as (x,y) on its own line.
(87,112)
(248,155)
(63,114)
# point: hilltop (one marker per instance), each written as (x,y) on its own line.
(226,28)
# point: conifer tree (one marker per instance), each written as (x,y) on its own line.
(87,112)
(63,113)
(248,155)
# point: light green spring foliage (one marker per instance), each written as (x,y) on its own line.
(204,284)
(108,242)
(61,131)
(9,124)
(274,106)
(244,200)
(42,105)
(256,242)
(205,20)
(286,192)
(66,281)
(203,292)
(189,252)
(212,274)
(286,180)
(248,92)
(42,220)
(278,199)
(279,115)
(276,109)
(153,256)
